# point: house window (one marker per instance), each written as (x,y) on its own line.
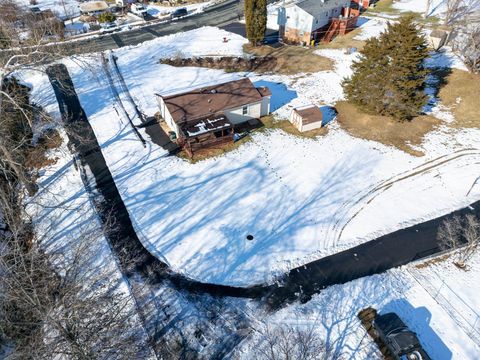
(245,110)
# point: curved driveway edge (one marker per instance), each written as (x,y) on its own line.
(392,250)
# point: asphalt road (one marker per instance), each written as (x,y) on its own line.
(219,15)
(392,250)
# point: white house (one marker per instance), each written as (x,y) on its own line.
(302,21)
(211,109)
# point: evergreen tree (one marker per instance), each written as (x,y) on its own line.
(389,78)
(255,20)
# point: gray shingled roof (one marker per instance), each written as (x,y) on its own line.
(313,7)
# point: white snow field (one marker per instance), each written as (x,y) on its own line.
(436,8)
(439,302)
(159,11)
(63,8)
(301,199)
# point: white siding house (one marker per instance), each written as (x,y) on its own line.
(299,21)
(239,101)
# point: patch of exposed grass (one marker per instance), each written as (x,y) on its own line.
(208,153)
(388,131)
(269,122)
(382,6)
(37,156)
(433,261)
(344,41)
(292,59)
(460,93)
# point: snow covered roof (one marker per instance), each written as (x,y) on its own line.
(206,125)
(204,102)
(93,6)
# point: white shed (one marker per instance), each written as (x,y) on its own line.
(306,118)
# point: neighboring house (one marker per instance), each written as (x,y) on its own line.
(93,7)
(207,116)
(313,20)
(306,118)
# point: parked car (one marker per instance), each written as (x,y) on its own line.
(109,27)
(402,342)
(138,9)
(179,13)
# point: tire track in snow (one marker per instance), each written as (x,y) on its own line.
(383,186)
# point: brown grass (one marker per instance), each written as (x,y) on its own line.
(382,6)
(37,156)
(344,41)
(204,154)
(465,87)
(292,59)
(436,260)
(270,122)
(385,130)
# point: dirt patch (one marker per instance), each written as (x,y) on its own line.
(203,154)
(269,122)
(37,156)
(227,63)
(402,135)
(344,41)
(286,60)
(433,261)
(460,94)
(292,59)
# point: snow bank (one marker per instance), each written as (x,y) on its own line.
(159,11)
(370,27)
(439,303)
(436,8)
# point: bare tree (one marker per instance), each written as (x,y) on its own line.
(62,304)
(462,235)
(467,43)
(286,342)
(456,10)
(428,5)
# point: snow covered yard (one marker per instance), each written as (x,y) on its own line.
(64,8)
(439,302)
(301,199)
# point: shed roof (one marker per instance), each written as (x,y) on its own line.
(93,6)
(206,101)
(309,114)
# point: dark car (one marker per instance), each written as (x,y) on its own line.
(179,13)
(402,342)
